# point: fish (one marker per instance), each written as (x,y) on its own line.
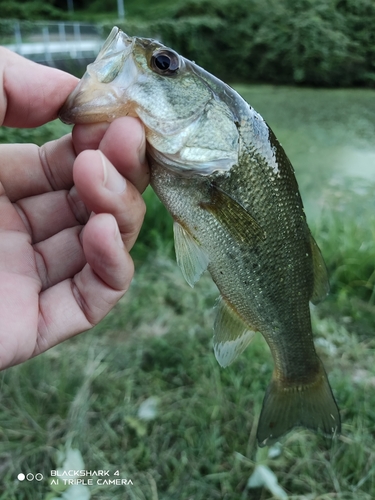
(222,174)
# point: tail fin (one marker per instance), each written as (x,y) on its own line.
(285,407)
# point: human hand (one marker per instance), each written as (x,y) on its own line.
(68,217)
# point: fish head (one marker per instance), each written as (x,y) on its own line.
(188,127)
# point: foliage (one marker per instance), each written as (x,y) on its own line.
(315,42)
(30,10)
(306,41)
(39,136)
(348,246)
(83,10)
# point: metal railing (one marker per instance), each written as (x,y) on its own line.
(48,42)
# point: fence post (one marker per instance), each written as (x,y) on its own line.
(77,38)
(18,37)
(62,34)
(120,9)
(46,43)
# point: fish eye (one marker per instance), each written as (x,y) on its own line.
(165,62)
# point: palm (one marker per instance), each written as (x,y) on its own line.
(57,279)
(20,285)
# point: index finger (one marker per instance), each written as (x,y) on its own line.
(31,93)
(123,142)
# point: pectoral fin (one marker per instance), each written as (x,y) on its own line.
(190,256)
(234,217)
(232,335)
(321,283)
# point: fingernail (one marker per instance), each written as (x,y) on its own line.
(118,235)
(113,180)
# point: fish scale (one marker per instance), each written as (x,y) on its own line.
(231,190)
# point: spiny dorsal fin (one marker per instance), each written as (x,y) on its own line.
(232,335)
(321,283)
(190,256)
(234,217)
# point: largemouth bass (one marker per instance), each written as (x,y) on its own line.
(226,180)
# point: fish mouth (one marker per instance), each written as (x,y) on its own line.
(88,103)
(95,99)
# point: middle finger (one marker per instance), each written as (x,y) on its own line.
(123,142)
(104,190)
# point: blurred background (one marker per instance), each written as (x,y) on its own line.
(142,393)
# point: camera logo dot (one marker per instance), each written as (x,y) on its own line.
(30,477)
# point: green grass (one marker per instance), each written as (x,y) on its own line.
(40,135)
(346,230)
(157,342)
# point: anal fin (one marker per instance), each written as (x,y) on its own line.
(190,256)
(231,334)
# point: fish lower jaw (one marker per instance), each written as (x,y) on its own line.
(93,114)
